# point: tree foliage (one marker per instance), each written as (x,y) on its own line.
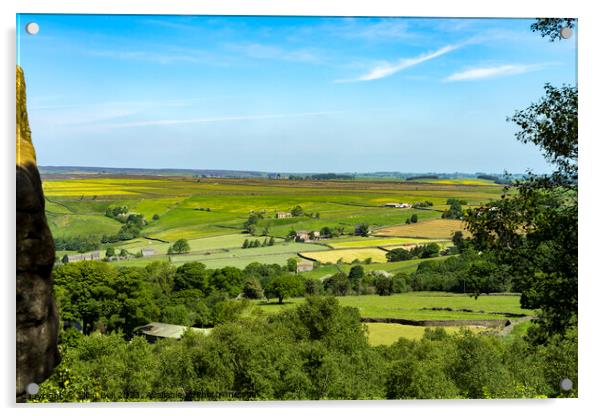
(551,27)
(181,246)
(317,350)
(532,230)
(284,286)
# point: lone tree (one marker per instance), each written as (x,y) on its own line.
(338,284)
(398,254)
(283,287)
(179,247)
(458,240)
(430,250)
(383,285)
(356,274)
(291,264)
(363,230)
(252,289)
(110,252)
(326,232)
(291,236)
(455,211)
(297,211)
(414,218)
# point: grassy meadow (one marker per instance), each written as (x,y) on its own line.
(210,213)
(418,306)
(359,242)
(387,334)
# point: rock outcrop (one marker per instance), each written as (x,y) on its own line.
(37,320)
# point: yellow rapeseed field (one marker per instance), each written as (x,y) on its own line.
(348,255)
(438,228)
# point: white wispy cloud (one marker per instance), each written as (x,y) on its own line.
(389,68)
(179,23)
(157,57)
(271,52)
(168,122)
(384,29)
(121,104)
(492,71)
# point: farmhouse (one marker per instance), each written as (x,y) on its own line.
(282,214)
(158,330)
(72,258)
(304,266)
(303,236)
(146,252)
(396,205)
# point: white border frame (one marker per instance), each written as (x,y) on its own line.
(589,64)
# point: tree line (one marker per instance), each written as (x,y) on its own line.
(318,350)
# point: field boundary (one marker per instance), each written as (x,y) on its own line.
(506,314)
(155,239)
(396,246)
(305,257)
(489,323)
(60,204)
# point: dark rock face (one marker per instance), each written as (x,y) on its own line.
(37,320)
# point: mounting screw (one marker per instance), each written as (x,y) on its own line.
(32,388)
(566,384)
(566,32)
(32,28)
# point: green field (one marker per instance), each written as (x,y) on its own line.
(235,257)
(387,334)
(210,214)
(378,242)
(204,245)
(339,203)
(412,306)
(408,267)
(70,225)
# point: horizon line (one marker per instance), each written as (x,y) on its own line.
(287,172)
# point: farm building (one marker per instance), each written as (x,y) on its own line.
(281,215)
(146,252)
(304,266)
(158,330)
(303,236)
(396,205)
(72,258)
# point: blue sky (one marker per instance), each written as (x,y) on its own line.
(287,94)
